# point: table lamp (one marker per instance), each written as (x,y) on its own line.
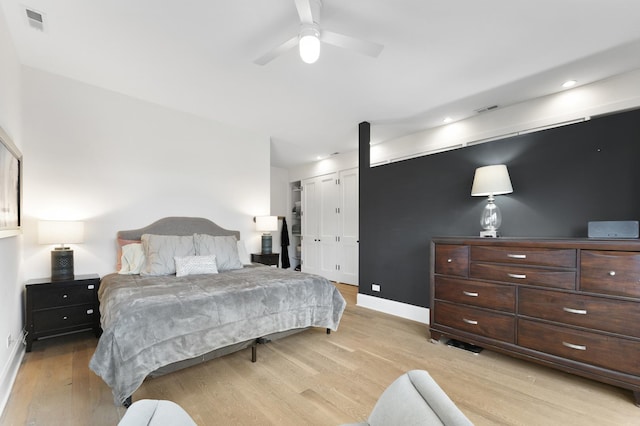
(62,233)
(266,224)
(490,181)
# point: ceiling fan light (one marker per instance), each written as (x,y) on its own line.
(309,48)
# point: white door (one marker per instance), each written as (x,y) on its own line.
(327,197)
(348,227)
(310,220)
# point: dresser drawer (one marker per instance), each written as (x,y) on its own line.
(560,258)
(495,296)
(61,318)
(52,295)
(524,275)
(452,259)
(592,348)
(477,321)
(593,312)
(610,272)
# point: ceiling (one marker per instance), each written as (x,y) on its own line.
(441,58)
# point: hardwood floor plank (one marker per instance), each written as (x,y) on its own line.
(317,379)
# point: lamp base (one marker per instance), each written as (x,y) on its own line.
(62,264)
(266,243)
(489,234)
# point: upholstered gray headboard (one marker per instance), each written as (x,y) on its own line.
(178,226)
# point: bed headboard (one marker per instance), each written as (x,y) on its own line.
(178,226)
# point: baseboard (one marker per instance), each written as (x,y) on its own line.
(10,372)
(399,309)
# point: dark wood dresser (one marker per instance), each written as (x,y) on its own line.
(60,307)
(571,304)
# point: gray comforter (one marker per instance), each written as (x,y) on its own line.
(150,322)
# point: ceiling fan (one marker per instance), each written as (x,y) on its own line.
(310,35)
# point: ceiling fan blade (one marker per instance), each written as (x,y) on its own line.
(272,54)
(368,48)
(306,10)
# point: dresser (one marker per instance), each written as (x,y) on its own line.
(571,304)
(60,307)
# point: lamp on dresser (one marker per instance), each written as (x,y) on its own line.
(266,224)
(490,181)
(62,233)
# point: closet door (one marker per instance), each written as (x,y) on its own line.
(330,226)
(310,223)
(320,225)
(327,197)
(348,227)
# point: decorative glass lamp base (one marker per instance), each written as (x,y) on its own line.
(266,244)
(62,264)
(489,234)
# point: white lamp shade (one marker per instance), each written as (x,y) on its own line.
(491,180)
(309,47)
(60,232)
(267,223)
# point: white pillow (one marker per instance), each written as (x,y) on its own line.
(195,265)
(224,248)
(160,250)
(132,259)
(242,253)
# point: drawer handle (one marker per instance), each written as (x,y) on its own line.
(449,260)
(575,311)
(64,296)
(468,321)
(517,256)
(89,311)
(65,318)
(91,287)
(470,294)
(577,347)
(612,273)
(518,276)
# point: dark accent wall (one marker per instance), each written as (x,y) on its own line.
(562,178)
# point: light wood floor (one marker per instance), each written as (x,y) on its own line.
(314,379)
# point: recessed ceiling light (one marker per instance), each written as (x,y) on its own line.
(569,83)
(447,120)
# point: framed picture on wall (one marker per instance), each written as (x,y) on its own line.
(10,187)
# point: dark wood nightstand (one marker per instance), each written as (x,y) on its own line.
(265,259)
(57,307)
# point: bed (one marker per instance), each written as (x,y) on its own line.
(164,316)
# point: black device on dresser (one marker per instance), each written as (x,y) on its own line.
(266,259)
(60,307)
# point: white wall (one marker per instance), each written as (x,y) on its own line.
(120,163)
(342,161)
(10,247)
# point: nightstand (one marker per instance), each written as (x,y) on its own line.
(265,259)
(60,307)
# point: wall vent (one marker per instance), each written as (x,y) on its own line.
(485,109)
(35,19)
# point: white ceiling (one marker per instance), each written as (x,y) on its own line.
(441,58)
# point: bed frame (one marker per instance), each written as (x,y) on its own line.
(183,226)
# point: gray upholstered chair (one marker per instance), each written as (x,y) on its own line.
(415,399)
(153,412)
